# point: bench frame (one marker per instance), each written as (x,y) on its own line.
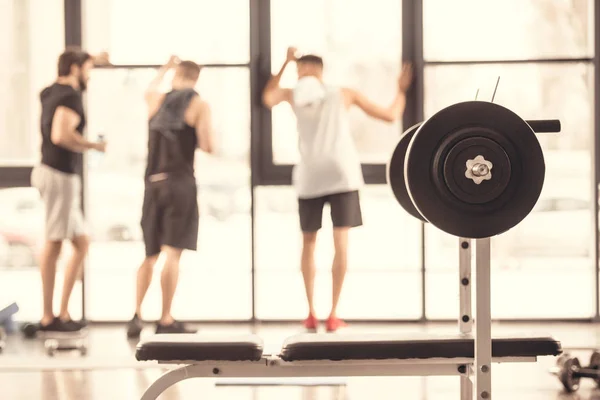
(479,367)
(275,367)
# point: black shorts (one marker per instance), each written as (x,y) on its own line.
(170,215)
(345,211)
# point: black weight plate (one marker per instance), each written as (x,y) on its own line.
(465,209)
(395,173)
(595,364)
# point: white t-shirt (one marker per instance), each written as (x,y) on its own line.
(329,162)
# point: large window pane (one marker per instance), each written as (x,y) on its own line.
(507,29)
(550,252)
(21,242)
(31,38)
(361,44)
(220,269)
(147,32)
(383,281)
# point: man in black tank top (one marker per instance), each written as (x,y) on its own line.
(179,123)
(58,181)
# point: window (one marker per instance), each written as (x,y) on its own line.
(221,268)
(361,45)
(556,238)
(533,91)
(507,29)
(21,243)
(384,271)
(31,38)
(143,32)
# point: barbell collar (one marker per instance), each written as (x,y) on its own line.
(544,125)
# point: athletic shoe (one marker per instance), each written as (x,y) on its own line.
(73,326)
(175,327)
(59,326)
(311,323)
(134,327)
(334,323)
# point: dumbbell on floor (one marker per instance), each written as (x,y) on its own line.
(569,371)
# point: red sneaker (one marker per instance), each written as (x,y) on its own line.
(311,323)
(334,323)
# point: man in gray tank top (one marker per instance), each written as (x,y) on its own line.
(329,170)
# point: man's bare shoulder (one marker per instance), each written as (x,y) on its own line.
(200,104)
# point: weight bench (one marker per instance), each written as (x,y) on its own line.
(345,355)
(326,355)
(459,169)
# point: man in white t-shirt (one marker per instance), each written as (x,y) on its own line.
(329,170)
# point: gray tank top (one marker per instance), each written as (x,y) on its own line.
(329,161)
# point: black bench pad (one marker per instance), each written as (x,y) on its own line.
(307,347)
(193,347)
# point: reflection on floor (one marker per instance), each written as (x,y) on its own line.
(110,371)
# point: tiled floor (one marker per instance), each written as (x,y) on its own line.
(109,371)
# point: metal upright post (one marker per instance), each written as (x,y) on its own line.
(483,321)
(465,319)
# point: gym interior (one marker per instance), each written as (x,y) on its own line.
(442,300)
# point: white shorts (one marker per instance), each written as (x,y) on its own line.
(60,193)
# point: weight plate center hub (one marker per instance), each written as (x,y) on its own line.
(476,170)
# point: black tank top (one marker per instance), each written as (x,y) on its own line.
(55,156)
(171,141)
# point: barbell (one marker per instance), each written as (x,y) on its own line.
(474,169)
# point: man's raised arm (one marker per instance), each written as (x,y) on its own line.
(390,113)
(204,127)
(273,94)
(152,95)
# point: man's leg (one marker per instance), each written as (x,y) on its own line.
(168,282)
(180,223)
(56,190)
(345,214)
(144,278)
(340,266)
(48,260)
(308,268)
(151,229)
(81,244)
(311,216)
(77,231)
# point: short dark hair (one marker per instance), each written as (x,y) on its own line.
(71,56)
(189,70)
(311,59)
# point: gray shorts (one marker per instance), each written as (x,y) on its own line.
(60,194)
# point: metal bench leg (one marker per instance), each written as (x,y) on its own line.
(167,380)
(466,388)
